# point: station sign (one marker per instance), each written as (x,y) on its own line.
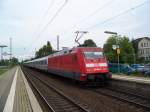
(115,47)
(118,51)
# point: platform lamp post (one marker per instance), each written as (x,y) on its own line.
(115,47)
(2,46)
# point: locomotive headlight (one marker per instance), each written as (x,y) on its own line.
(90,65)
(102,64)
(83,75)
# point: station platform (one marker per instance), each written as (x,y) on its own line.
(144,80)
(16,94)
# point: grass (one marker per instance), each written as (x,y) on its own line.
(3,70)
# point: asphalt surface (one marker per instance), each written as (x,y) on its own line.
(5,85)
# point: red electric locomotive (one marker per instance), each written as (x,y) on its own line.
(81,63)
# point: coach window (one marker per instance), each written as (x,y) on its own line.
(45,61)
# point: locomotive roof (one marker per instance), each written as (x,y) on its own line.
(89,48)
(65,51)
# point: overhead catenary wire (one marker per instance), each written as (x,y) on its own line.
(83,20)
(44,15)
(118,15)
(99,9)
(114,17)
(50,21)
(105,21)
(40,23)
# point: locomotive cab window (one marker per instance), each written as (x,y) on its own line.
(93,54)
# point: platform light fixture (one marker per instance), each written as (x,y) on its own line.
(115,47)
(2,46)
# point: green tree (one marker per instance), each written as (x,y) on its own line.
(126,48)
(127,54)
(109,52)
(14,61)
(49,49)
(89,43)
(44,51)
(4,62)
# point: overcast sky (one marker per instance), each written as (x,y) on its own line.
(25,20)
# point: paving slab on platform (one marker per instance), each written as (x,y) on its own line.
(16,94)
(5,85)
(25,101)
(22,101)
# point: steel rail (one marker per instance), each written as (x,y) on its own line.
(125,92)
(60,93)
(127,99)
(33,85)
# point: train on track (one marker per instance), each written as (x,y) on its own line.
(85,64)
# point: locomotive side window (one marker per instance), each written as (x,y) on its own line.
(93,54)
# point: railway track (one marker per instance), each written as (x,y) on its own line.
(130,92)
(138,102)
(127,97)
(55,99)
